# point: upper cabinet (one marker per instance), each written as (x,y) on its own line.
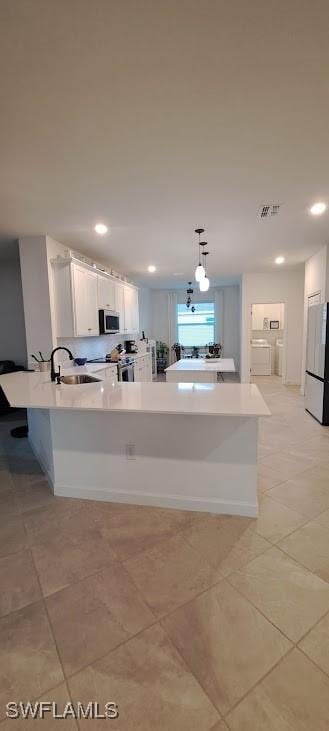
(79,292)
(131,315)
(106,293)
(120,304)
(85,301)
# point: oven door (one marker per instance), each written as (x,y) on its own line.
(126,372)
(109,321)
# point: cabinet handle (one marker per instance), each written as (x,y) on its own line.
(89,329)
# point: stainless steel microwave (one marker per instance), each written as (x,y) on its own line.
(109,322)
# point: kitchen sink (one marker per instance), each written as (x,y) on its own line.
(82,378)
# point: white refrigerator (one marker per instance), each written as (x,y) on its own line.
(317,363)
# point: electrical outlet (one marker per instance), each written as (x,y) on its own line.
(131,451)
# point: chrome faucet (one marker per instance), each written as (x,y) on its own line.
(53,373)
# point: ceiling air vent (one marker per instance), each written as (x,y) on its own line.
(269,209)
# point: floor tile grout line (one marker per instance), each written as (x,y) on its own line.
(302,564)
(63,681)
(259,682)
(308,657)
(224,715)
(190,670)
(287,506)
(308,520)
(318,621)
(69,677)
(295,643)
(283,537)
(292,642)
(54,640)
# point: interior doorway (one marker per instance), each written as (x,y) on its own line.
(268,341)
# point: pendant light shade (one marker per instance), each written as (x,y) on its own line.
(199,273)
(204,284)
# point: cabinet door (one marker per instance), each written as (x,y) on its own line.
(112,373)
(131,310)
(85,301)
(128,305)
(148,368)
(119,305)
(138,372)
(106,293)
(135,311)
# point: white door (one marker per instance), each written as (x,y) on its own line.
(106,293)
(85,301)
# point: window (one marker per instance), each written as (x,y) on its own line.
(196,328)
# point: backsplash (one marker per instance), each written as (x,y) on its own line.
(95,347)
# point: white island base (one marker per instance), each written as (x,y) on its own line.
(200,463)
(199,370)
(179,445)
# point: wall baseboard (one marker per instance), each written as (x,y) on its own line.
(168,501)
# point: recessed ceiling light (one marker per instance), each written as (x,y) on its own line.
(318,208)
(279,260)
(101,229)
(151,268)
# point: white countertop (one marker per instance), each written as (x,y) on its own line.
(36,391)
(222,365)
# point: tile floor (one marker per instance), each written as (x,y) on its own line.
(189,622)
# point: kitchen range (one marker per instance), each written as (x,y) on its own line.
(125,366)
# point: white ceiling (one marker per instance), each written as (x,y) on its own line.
(158,116)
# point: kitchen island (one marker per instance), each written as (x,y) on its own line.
(199,370)
(182,445)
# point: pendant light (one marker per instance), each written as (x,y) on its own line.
(189,292)
(199,272)
(204,282)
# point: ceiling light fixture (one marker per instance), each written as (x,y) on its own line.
(204,283)
(199,272)
(279,260)
(318,208)
(151,268)
(101,229)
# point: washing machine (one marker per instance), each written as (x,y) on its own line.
(261,357)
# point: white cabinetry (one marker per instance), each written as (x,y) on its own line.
(75,300)
(143,368)
(106,293)
(110,372)
(79,292)
(131,318)
(120,305)
(84,288)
